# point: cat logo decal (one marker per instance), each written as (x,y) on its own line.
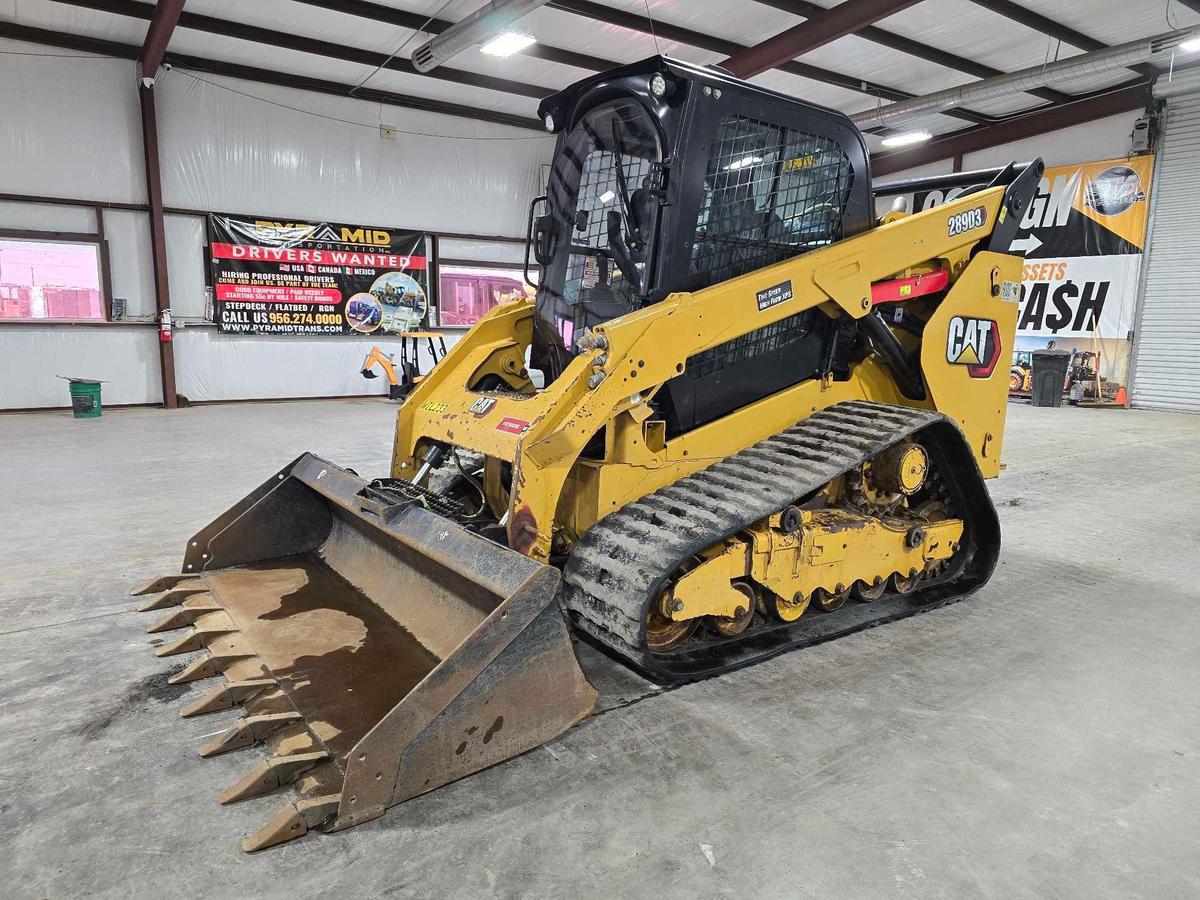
(974,343)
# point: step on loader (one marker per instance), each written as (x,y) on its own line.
(763,419)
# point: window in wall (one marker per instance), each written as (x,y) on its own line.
(50,280)
(465,294)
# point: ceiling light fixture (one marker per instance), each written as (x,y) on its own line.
(507,44)
(493,25)
(1192,46)
(907,139)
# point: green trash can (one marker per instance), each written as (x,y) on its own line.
(85,397)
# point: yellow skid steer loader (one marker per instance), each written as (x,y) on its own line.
(764,420)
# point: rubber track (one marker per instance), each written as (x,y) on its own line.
(623,561)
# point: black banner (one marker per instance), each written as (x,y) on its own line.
(273,277)
(1089,209)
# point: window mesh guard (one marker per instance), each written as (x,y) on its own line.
(599,192)
(748,346)
(770,193)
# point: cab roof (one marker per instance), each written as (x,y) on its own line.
(714,76)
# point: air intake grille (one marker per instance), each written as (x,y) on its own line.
(755,343)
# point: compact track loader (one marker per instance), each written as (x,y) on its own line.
(763,419)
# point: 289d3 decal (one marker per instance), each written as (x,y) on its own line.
(965,221)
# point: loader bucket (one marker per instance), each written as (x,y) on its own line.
(379,650)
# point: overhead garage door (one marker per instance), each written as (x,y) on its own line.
(1167,363)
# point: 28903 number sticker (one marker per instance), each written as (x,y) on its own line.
(965,221)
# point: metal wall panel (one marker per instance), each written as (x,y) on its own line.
(1167,345)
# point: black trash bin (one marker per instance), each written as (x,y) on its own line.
(1049,376)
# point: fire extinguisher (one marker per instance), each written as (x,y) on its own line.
(164,326)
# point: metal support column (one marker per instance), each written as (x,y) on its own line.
(158,239)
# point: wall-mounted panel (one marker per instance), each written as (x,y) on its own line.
(70,127)
(214,366)
(124,357)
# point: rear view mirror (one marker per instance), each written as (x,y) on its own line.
(643,210)
(539,237)
(543,239)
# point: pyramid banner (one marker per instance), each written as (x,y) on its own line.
(315,278)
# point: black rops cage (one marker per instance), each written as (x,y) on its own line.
(673,177)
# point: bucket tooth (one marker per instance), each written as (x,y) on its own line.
(189,643)
(249,730)
(291,822)
(272,774)
(208,666)
(162,583)
(228,694)
(173,597)
(183,617)
(208,626)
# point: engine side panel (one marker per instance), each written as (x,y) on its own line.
(965,351)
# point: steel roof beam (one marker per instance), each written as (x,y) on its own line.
(301,44)
(1097,62)
(846,18)
(377,12)
(901,44)
(338,89)
(622,19)
(1033,124)
(1030,19)
(86,44)
(162,23)
(634,22)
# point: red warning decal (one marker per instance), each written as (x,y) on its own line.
(512,426)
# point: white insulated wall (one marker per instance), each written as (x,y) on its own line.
(70,127)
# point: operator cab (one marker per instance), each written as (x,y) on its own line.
(669,176)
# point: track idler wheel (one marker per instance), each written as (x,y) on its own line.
(662,632)
(784,610)
(869,593)
(729,626)
(828,601)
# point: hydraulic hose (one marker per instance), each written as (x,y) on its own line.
(887,345)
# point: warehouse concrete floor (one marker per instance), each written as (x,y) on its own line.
(1042,739)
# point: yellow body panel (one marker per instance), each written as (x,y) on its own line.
(555,494)
(830,551)
(977,404)
(707,589)
(834,548)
